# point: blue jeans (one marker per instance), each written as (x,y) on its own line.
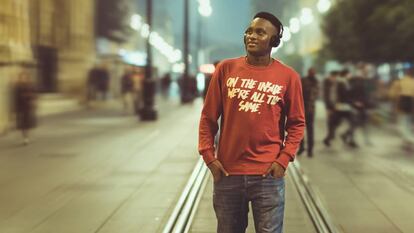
(231,199)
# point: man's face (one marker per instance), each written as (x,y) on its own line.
(258,36)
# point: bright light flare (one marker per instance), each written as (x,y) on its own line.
(306,16)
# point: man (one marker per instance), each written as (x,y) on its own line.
(310,88)
(252,94)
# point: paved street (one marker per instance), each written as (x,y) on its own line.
(97,171)
(101,171)
(365,190)
(369,189)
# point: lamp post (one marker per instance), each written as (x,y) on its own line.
(186,82)
(148,113)
(204,10)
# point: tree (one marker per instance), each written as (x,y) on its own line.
(370,30)
(112,19)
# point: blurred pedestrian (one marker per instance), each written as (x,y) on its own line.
(361,93)
(342,110)
(92,84)
(253,95)
(138,81)
(127,90)
(25,106)
(310,89)
(102,82)
(329,97)
(165,83)
(403,95)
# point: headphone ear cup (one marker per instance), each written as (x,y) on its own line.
(275,41)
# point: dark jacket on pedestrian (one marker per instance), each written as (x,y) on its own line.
(329,93)
(361,92)
(310,89)
(24,100)
(127,84)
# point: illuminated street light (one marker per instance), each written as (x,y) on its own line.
(145,31)
(306,16)
(135,22)
(323,6)
(294,25)
(205,11)
(204,8)
(157,41)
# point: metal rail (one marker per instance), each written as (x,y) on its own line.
(184,211)
(186,207)
(314,206)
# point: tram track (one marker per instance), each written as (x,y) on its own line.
(183,214)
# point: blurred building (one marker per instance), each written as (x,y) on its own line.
(54,39)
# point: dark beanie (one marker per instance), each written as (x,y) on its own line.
(271,18)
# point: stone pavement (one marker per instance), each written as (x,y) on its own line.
(97,171)
(365,190)
(101,171)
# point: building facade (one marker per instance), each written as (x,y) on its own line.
(53,39)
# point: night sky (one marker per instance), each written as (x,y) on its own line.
(222,31)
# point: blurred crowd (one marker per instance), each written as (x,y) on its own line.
(355,99)
(131,86)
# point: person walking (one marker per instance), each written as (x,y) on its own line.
(127,90)
(342,109)
(257,98)
(402,93)
(329,97)
(361,89)
(310,87)
(24,100)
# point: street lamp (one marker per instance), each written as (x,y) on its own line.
(148,113)
(204,8)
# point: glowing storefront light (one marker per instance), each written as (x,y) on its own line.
(178,67)
(207,68)
(136,58)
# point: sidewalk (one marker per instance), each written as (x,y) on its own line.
(98,171)
(366,190)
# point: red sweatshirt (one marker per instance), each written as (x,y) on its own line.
(250,100)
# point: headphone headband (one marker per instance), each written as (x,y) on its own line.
(273,20)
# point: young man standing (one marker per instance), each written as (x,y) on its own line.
(257,98)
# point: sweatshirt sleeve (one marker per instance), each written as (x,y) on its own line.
(295,121)
(210,114)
